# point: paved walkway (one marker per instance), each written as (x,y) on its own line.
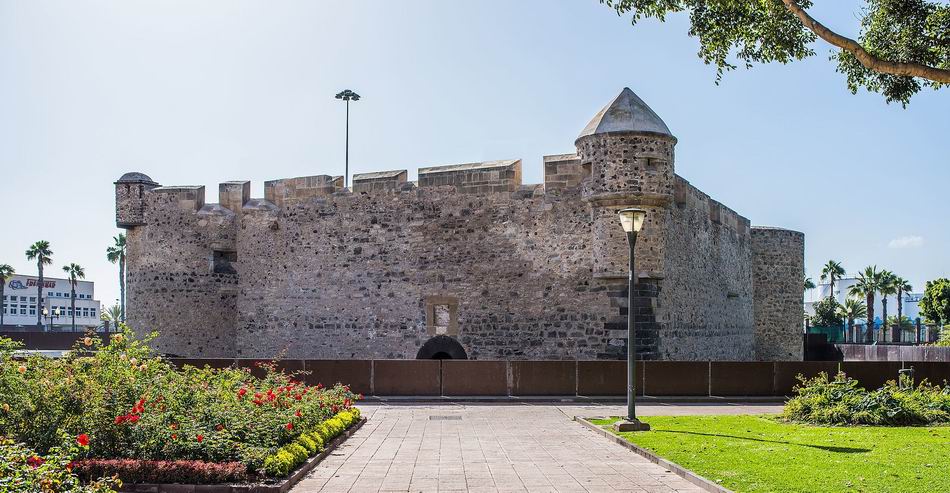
(492,447)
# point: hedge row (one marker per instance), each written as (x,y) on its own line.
(162,471)
(292,455)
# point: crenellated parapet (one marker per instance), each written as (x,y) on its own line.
(380,181)
(483,178)
(290,191)
(564,172)
(688,197)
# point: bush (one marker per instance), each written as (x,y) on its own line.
(290,456)
(151,471)
(842,401)
(827,313)
(23,471)
(133,404)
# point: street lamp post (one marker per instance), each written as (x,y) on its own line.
(347,95)
(632,221)
(50,316)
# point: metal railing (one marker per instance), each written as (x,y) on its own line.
(917,334)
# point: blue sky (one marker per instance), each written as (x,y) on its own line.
(203,92)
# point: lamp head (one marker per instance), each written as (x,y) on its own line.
(631,219)
(348,95)
(45,312)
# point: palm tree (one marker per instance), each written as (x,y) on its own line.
(6,272)
(111,316)
(866,286)
(44,256)
(116,254)
(903,287)
(808,283)
(852,309)
(886,287)
(75,272)
(831,271)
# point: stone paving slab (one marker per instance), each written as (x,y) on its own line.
(496,448)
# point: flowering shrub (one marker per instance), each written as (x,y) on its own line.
(841,400)
(23,471)
(127,403)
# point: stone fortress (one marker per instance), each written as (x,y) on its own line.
(467,262)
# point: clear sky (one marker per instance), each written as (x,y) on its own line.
(196,93)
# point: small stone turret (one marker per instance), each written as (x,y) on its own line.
(130,199)
(629,151)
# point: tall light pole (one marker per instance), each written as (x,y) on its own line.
(632,221)
(347,95)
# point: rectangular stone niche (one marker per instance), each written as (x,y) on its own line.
(442,315)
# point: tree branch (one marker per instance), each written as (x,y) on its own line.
(868,60)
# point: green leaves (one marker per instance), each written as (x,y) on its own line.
(916,31)
(935,304)
(733,32)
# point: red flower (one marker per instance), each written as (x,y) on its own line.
(289,426)
(346,403)
(132,418)
(71,465)
(83,440)
(119,420)
(174,436)
(298,414)
(200,438)
(241,392)
(298,397)
(335,409)
(35,461)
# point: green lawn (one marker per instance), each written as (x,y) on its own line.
(758,453)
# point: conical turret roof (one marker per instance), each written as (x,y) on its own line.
(626,113)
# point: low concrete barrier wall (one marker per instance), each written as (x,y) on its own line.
(472,378)
(453,378)
(46,340)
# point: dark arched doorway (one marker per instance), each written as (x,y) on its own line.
(441,347)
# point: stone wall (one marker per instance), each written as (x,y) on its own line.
(778,267)
(705,309)
(172,286)
(350,275)
(509,271)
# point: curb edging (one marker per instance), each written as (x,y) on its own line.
(679,470)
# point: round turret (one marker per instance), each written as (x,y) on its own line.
(130,199)
(629,150)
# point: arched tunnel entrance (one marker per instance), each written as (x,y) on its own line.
(441,347)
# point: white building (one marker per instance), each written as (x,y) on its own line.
(910,308)
(20,304)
